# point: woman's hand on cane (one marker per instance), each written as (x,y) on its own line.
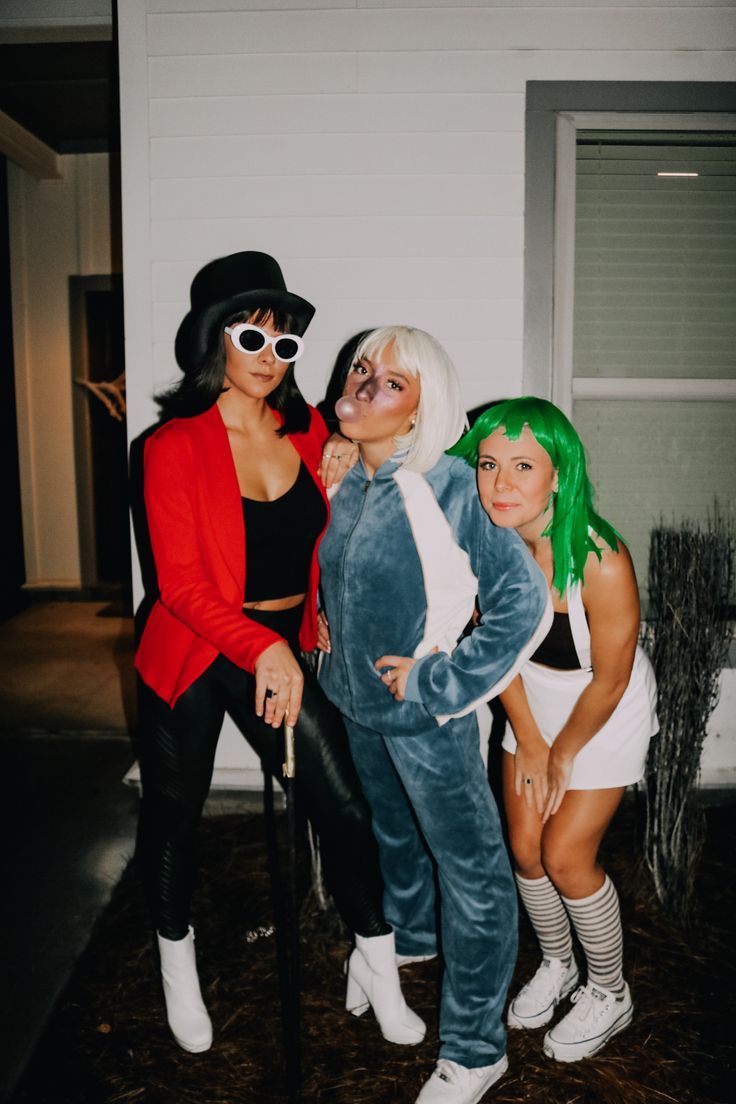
(279,685)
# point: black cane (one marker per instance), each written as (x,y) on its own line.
(293,1065)
(285,907)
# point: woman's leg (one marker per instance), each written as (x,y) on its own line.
(176,758)
(329,790)
(445,780)
(408,871)
(540,897)
(570,843)
(177,752)
(557,975)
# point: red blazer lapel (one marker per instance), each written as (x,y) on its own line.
(221,497)
(309,446)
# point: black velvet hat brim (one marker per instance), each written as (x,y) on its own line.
(196,335)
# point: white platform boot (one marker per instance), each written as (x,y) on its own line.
(373,980)
(190,1025)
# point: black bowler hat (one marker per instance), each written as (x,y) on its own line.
(223,288)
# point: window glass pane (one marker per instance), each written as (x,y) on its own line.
(658,460)
(655,258)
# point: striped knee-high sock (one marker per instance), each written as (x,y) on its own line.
(597,921)
(547,914)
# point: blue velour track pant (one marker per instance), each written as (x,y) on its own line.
(433,811)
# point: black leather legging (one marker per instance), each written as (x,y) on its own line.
(177,756)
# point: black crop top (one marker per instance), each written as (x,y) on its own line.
(558,647)
(280,537)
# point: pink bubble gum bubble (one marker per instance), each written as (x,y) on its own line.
(348,409)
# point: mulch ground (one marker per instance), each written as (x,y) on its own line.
(107,1042)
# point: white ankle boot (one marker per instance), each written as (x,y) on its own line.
(373,979)
(185,1010)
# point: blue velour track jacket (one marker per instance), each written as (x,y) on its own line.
(401,563)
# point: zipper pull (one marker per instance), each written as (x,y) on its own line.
(366,485)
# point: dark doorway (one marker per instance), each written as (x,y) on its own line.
(12,564)
(99,428)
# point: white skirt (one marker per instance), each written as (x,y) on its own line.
(617,754)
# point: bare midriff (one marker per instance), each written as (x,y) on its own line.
(276,603)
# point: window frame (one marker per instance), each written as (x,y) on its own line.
(555,111)
(565,387)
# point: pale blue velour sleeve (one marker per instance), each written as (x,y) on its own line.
(516,615)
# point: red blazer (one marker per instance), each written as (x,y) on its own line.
(195,519)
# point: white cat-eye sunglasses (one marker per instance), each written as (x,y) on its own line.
(248,338)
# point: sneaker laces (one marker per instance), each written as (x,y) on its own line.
(591,1003)
(547,981)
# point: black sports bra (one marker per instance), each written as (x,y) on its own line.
(558,647)
(279,540)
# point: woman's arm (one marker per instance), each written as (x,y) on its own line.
(185,588)
(188,592)
(516,613)
(611,602)
(532,752)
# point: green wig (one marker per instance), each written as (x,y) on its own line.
(574,516)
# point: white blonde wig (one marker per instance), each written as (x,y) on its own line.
(440,415)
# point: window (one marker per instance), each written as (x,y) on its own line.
(651,381)
(648,378)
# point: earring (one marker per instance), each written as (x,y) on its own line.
(413,420)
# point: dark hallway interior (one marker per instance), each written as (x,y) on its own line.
(68,819)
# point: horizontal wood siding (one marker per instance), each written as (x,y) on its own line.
(376,147)
(613,27)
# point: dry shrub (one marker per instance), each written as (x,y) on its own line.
(691,575)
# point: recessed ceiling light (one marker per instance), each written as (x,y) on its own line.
(677,174)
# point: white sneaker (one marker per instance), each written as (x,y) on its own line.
(596,1016)
(454,1084)
(404,960)
(534,1005)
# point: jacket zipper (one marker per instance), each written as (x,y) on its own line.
(345,550)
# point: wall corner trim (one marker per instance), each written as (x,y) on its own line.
(28,151)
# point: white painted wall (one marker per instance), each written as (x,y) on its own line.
(718,761)
(58,229)
(376,147)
